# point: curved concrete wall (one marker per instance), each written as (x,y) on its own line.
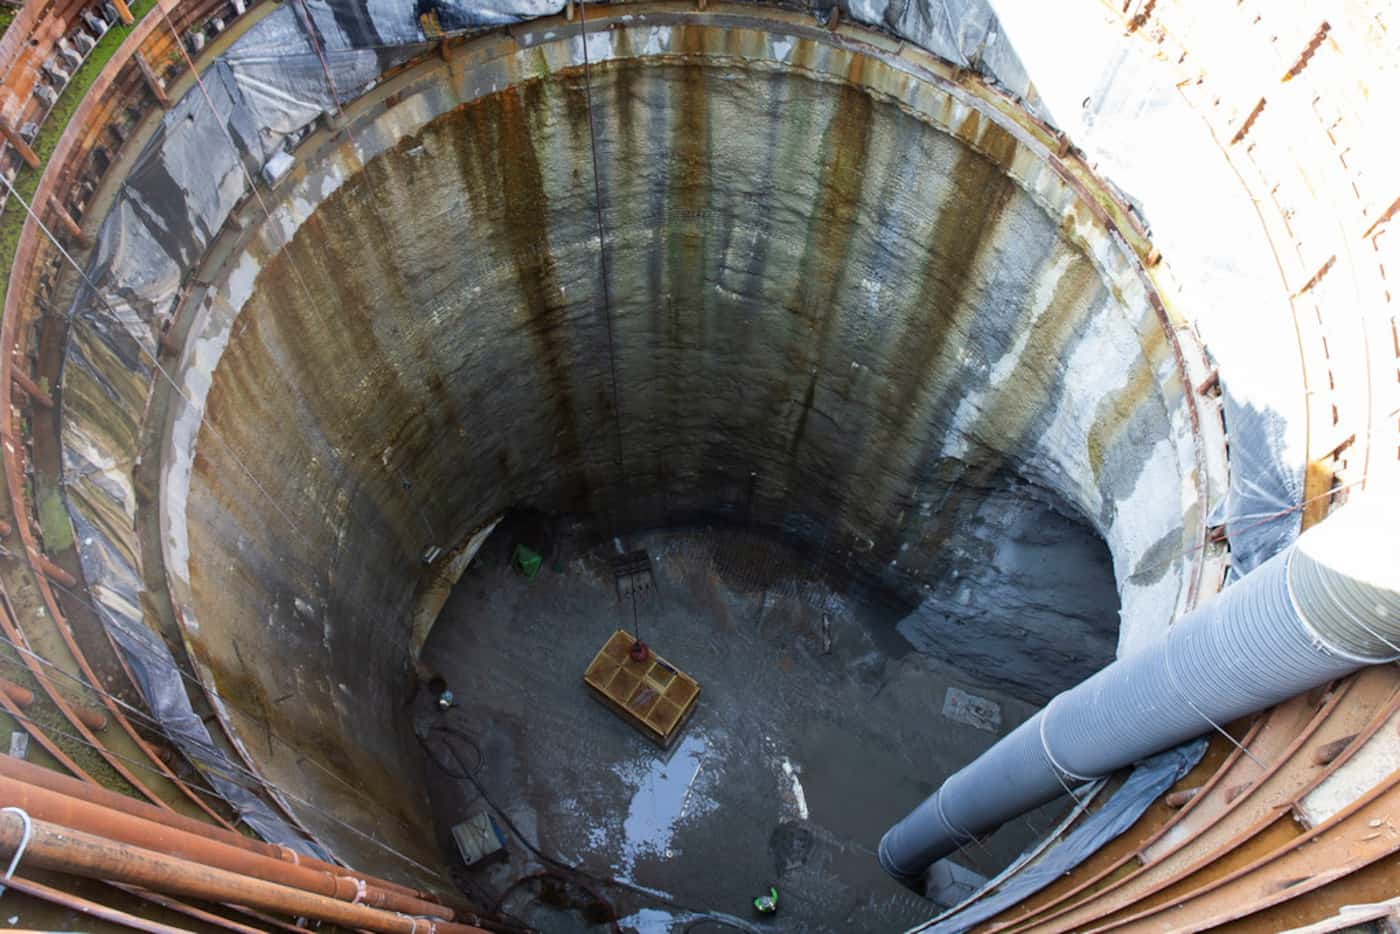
(846,301)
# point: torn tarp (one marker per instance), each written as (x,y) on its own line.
(1150,779)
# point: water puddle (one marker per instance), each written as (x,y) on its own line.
(666,794)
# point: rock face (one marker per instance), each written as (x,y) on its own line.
(833,300)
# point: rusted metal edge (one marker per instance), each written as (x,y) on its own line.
(1338,848)
(1235,754)
(1318,720)
(1253,833)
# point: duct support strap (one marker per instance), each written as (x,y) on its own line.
(1323,607)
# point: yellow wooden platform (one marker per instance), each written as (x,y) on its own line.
(654,696)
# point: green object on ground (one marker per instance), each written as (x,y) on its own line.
(526,560)
(767,904)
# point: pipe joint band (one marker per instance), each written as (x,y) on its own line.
(1315,632)
(1059,769)
(959,833)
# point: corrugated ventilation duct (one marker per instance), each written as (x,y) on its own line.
(1323,607)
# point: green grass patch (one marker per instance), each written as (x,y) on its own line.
(53,522)
(27,180)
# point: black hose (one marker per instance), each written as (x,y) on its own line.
(567,880)
(563,871)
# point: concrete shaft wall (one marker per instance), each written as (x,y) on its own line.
(846,304)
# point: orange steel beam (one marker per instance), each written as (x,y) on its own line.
(31,388)
(30,157)
(1373,884)
(152,82)
(24,697)
(199,914)
(34,730)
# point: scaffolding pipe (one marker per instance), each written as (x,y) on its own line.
(27,772)
(84,906)
(1322,608)
(48,805)
(62,849)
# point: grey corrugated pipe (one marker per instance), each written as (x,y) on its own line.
(1325,606)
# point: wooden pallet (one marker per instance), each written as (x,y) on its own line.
(654,696)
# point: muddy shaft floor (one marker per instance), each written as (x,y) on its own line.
(817,727)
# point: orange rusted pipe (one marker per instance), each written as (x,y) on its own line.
(71,812)
(66,220)
(23,697)
(26,152)
(52,571)
(94,720)
(42,399)
(82,905)
(76,852)
(32,774)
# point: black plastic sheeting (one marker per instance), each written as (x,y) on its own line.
(283,74)
(299,62)
(1150,778)
(965,32)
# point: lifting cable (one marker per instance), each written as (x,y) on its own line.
(623,486)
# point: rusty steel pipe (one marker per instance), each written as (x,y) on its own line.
(45,566)
(62,849)
(179,907)
(23,697)
(20,144)
(31,774)
(57,808)
(82,905)
(42,399)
